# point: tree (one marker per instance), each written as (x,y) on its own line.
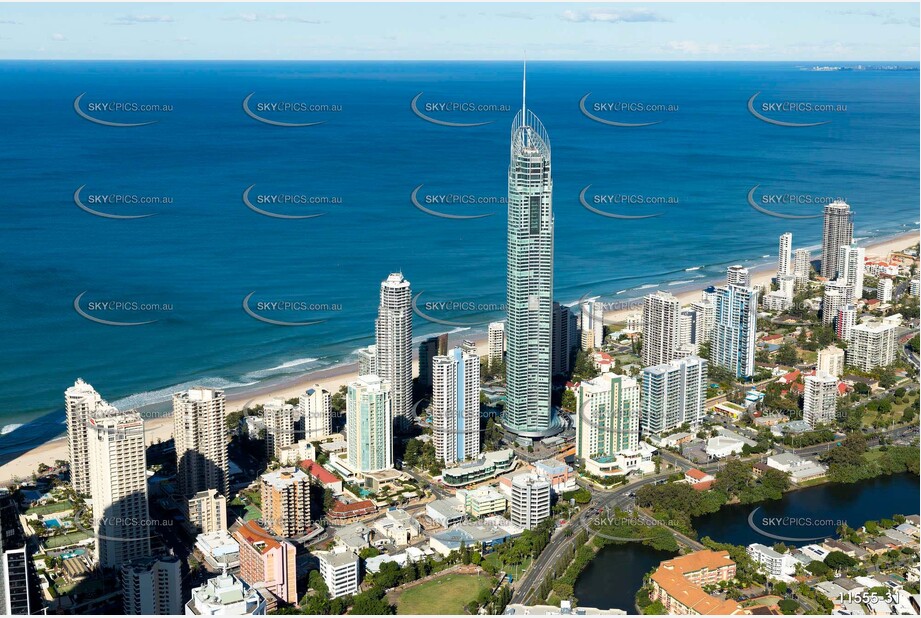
(388,576)
(817,568)
(788,606)
(569,401)
(839,560)
(787,354)
(371,603)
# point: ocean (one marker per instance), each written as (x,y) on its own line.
(187,269)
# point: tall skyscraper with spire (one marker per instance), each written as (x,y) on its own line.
(529,279)
(394,345)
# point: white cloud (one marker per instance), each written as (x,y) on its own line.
(614,16)
(57,36)
(515,15)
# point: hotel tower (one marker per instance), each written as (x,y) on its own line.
(529,280)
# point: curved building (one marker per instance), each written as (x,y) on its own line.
(529,280)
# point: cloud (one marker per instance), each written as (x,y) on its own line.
(888,18)
(57,36)
(10,22)
(254,17)
(130,20)
(696,48)
(613,16)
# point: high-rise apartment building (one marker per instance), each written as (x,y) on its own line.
(118,486)
(200,434)
(872,344)
(733,340)
(673,394)
(838,230)
(529,281)
(565,339)
(738,275)
(833,299)
(152,586)
(530,503)
(496,343)
(207,511)
(592,325)
(394,333)
(850,269)
(286,502)
(316,408)
(801,267)
(428,350)
(821,399)
(784,261)
(884,290)
(278,417)
(80,402)
(20,591)
(830,361)
(456,406)
(705,318)
(847,317)
(340,571)
(367,361)
(607,416)
(266,562)
(661,328)
(370,424)
(225,595)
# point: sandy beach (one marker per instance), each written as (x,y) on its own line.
(160,427)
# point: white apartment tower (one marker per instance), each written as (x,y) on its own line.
(608,416)
(884,290)
(833,299)
(706,317)
(592,325)
(838,230)
(784,261)
(673,394)
(738,275)
(871,345)
(733,340)
(530,500)
(496,343)
(831,361)
(847,317)
(367,360)
(369,418)
(152,586)
(340,571)
(316,407)
(118,486)
(394,346)
(660,328)
(850,269)
(801,267)
(278,417)
(80,401)
(821,399)
(456,406)
(201,441)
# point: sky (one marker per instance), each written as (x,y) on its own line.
(842,32)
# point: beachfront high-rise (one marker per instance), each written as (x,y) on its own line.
(738,275)
(200,435)
(316,407)
(661,324)
(607,416)
(394,345)
(456,406)
(369,419)
(564,339)
(428,350)
(733,342)
(152,586)
(673,394)
(591,325)
(801,267)
(784,262)
(838,230)
(80,401)
(118,486)
(529,280)
(496,343)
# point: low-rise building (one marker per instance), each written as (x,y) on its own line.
(398,526)
(225,595)
(219,550)
(774,564)
(561,476)
(446,511)
(488,465)
(678,584)
(323,476)
(530,500)
(484,501)
(799,469)
(481,536)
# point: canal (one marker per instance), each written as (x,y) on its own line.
(616,573)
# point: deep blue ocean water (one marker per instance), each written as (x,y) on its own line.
(205,251)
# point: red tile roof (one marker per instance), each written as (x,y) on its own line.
(694,473)
(318,472)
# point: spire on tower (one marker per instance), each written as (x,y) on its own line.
(524,88)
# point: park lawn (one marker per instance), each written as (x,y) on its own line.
(443,595)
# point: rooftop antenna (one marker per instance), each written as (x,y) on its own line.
(524,89)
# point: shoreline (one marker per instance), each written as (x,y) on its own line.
(158,423)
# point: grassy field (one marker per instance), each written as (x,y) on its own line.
(443,595)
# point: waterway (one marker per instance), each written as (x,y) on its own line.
(616,573)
